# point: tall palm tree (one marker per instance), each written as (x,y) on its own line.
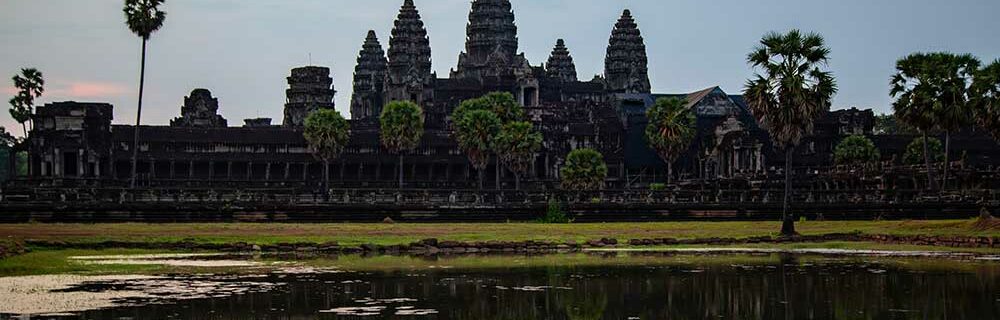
(986,98)
(327,133)
(955,73)
(474,132)
(30,85)
(401,128)
(516,145)
(670,130)
(790,94)
(143,17)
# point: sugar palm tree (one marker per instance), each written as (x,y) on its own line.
(955,74)
(670,130)
(516,145)
(143,18)
(327,133)
(401,128)
(791,93)
(474,132)
(30,85)
(986,98)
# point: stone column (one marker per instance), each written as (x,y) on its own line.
(152,169)
(250,171)
(229,170)
(305,171)
(191,170)
(211,170)
(267,172)
(173,169)
(287,169)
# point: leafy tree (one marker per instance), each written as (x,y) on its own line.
(502,104)
(670,130)
(916,151)
(516,145)
(790,95)
(856,149)
(30,85)
(986,98)
(327,133)
(402,127)
(143,18)
(475,131)
(584,170)
(888,124)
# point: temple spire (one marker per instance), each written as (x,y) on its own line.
(491,41)
(369,80)
(560,64)
(409,76)
(625,67)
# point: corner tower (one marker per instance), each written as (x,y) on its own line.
(309,89)
(369,80)
(409,76)
(560,64)
(625,67)
(491,42)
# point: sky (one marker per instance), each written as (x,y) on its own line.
(243,50)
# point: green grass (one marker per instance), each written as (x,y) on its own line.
(389,234)
(58,262)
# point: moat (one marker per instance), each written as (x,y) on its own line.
(593,285)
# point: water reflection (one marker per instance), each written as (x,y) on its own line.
(723,287)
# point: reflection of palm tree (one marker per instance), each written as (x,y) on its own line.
(582,306)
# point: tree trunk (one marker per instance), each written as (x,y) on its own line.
(497,174)
(931,183)
(787,221)
(947,159)
(401,170)
(138,116)
(24,127)
(670,172)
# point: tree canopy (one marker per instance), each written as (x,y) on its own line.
(671,129)
(516,145)
(584,170)
(402,126)
(327,133)
(856,149)
(501,104)
(986,98)
(144,17)
(30,85)
(475,131)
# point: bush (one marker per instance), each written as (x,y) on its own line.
(915,151)
(584,170)
(657,186)
(856,149)
(554,213)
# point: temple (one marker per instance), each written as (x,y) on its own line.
(76,144)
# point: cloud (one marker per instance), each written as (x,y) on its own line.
(92,90)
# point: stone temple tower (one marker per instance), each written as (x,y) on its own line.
(560,64)
(369,81)
(625,67)
(309,89)
(491,42)
(409,76)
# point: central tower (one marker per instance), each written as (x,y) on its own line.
(491,42)
(409,77)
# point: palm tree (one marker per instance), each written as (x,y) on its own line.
(143,17)
(402,127)
(931,91)
(327,133)
(790,95)
(516,145)
(986,98)
(474,131)
(670,130)
(30,85)
(584,170)
(955,73)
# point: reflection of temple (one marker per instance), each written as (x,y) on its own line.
(77,140)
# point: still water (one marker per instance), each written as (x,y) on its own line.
(587,286)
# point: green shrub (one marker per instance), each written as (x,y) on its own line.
(554,214)
(657,186)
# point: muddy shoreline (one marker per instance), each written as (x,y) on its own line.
(435,246)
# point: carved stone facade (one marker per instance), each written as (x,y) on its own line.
(625,67)
(309,89)
(606,113)
(560,65)
(369,81)
(200,110)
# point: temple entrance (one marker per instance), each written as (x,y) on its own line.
(70,164)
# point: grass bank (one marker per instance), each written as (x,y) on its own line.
(391,234)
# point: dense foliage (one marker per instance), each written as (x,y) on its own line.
(30,85)
(790,95)
(915,151)
(986,98)
(856,149)
(327,133)
(475,131)
(144,17)
(584,170)
(401,126)
(671,129)
(516,145)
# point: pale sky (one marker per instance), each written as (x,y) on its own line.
(242,50)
